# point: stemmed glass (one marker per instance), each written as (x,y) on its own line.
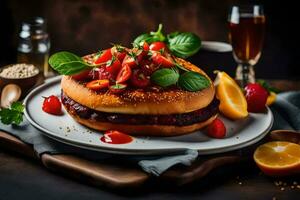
(246,34)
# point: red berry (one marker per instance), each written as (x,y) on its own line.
(256,97)
(216,129)
(52,105)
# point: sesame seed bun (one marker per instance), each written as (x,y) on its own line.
(170,101)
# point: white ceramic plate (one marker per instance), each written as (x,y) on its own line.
(215,46)
(64,129)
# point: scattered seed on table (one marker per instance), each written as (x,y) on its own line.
(284,184)
(295,183)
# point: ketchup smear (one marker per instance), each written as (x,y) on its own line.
(115,137)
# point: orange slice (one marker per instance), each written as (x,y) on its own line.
(233,103)
(278,158)
(271,98)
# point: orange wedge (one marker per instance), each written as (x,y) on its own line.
(271,98)
(233,103)
(278,158)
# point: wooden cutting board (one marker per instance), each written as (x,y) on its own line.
(113,174)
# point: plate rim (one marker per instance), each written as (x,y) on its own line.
(108,149)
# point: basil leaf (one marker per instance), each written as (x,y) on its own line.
(172,35)
(184,45)
(193,81)
(67,63)
(144,37)
(165,77)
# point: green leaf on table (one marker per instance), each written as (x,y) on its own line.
(192,81)
(165,77)
(12,115)
(67,63)
(267,86)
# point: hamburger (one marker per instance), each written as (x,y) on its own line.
(139,91)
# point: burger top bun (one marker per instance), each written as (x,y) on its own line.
(170,101)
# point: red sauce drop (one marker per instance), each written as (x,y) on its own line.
(116,137)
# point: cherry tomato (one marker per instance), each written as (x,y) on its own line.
(216,129)
(82,75)
(148,67)
(119,53)
(101,73)
(130,61)
(121,56)
(98,84)
(138,79)
(145,46)
(104,57)
(52,105)
(124,74)
(117,88)
(136,55)
(142,53)
(157,46)
(113,66)
(159,59)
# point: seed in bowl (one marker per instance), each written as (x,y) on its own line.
(19,71)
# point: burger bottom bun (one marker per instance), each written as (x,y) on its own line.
(143,130)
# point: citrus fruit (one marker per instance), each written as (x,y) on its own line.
(271,98)
(232,100)
(278,158)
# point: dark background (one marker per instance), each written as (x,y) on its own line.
(83,27)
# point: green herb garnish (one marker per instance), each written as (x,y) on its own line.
(111,61)
(119,47)
(165,77)
(118,86)
(192,81)
(12,115)
(132,54)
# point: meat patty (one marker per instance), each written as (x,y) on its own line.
(183,119)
